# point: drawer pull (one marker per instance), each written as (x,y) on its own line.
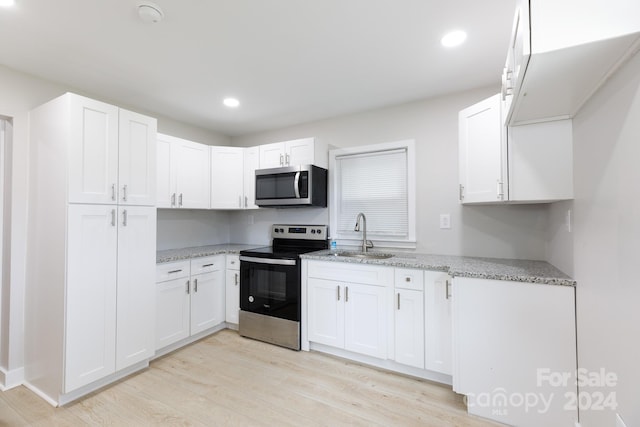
(174,271)
(206,265)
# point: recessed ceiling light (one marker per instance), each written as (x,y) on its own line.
(7,3)
(149,12)
(231,102)
(453,38)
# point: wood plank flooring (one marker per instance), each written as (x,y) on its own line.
(226,380)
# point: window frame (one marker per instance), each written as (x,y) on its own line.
(378,241)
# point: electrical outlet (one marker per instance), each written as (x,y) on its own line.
(445,221)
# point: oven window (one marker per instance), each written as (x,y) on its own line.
(269,284)
(269,289)
(277,186)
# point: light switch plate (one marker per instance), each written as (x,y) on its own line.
(445,221)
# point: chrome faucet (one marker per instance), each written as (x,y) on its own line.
(366,244)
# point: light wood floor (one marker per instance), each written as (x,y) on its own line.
(228,380)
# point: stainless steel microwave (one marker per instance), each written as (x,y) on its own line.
(292,186)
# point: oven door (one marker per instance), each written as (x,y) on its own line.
(270,286)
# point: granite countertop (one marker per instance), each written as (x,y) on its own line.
(200,251)
(461,266)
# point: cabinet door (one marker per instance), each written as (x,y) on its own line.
(272,155)
(137,159)
(480,145)
(90,324)
(299,152)
(325,312)
(366,319)
(165,190)
(227,173)
(251,163)
(409,327)
(136,285)
(93,152)
(207,301)
(437,304)
(232,296)
(192,179)
(172,311)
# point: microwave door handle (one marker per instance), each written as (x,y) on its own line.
(296,185)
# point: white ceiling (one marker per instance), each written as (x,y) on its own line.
(287,61)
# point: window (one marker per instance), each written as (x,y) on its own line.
(379,181)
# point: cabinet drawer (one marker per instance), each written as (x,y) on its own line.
(233,262)
(207,264)
(172,270)
(409,278)
(351,272)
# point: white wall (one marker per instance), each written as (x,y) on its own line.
(21,93)
(495,231)
(606,240)
(180,228)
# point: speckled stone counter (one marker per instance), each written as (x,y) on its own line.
(200,251)
(459,266)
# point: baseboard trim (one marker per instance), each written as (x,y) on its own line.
(186,341)
(11,379)
(42,395)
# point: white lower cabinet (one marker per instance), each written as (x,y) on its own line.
(409,317)
(232,289)
(437,322)
(512,342)
(190,298)
(351,313)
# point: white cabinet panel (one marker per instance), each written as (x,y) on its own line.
(136,285)
(227,173)
(137,159)
(90,335)
(165,192)
(251,163)
(366,319)
(437,304)
(272,155)
(409,327)
(93,151)
(207,301)
(326,312)
(192,177)
(232,296)
(500,328)
(287,153)
(172,311)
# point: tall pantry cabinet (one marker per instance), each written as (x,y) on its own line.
(89,304)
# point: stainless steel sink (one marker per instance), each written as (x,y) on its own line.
(362,255)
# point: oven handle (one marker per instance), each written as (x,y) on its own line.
(296,185)
(268,260)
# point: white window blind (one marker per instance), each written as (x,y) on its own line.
(374,183)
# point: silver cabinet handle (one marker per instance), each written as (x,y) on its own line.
(287,159)
(187,286)
(281,160)
(206,265)
(195,285)
(447,285)
(346,294)
(124,193)
(246,202)
(338,289)
(124,217)
(500,190)
(173,199)
(180,201)
(174,271)
(239,201)
(113,217)
(113,192)
(235,277)
(398,300)
(461,193)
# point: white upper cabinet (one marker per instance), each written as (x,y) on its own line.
(93,149)
(183,178)
(137,159)
(288,153)
(112,154)
(561,52)
(227,175)
(251,163)
(526,164)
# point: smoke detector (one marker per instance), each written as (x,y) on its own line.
(150,12)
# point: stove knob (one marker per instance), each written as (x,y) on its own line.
(319,231)
(275,230)
(313,231)
(282,230)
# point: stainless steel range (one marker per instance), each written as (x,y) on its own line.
(270,284)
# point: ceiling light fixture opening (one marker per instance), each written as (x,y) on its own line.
(148,12)
(7,3)
(453,38)
(231,102)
